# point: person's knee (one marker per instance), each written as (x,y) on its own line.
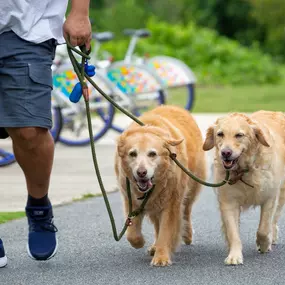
(30,137)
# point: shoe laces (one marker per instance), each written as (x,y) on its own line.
(39,224)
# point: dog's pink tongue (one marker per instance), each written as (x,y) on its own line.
(228,163)
(149,184)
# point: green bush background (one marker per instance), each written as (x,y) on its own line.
(214,59)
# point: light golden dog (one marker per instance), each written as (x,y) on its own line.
(143,156)
(252,148)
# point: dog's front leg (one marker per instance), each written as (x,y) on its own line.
(230,219)
(264,233)
(155,220)
(168,236)
(134,232)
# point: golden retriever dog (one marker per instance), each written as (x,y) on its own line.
(252,148)
(143,156)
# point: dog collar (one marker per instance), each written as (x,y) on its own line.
(237,175)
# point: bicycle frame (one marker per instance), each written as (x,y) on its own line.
(130,50)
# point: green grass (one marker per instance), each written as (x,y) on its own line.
(8,216)
(86,196)
(230,99)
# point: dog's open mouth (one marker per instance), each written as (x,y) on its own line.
(230,163)
(144,184)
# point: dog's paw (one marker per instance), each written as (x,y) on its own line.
(136,241)
(161,260)
(263,243)
(234,259)
(263,248)
(188,235)
(151,250)
(187,239)
(275,235)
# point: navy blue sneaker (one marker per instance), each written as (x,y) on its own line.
(42,241)
(3,257)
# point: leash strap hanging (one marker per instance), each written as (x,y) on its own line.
(132,214)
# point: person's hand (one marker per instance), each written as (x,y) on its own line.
(77,29)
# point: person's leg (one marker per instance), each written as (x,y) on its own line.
(25,113)
(34,149)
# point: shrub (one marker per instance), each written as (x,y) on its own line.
(213,58)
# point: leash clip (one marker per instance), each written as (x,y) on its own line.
(173,155)
(129,221)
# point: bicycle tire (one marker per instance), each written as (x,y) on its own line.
(191,97)
(101,133)
(7,158)
(107,116)
(57,123)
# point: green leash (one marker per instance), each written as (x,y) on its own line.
(79,70)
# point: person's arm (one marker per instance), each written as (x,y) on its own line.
(77,27)
(80,7)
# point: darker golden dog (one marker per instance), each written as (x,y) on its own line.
(143,156)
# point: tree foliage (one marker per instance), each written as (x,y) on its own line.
(251,22)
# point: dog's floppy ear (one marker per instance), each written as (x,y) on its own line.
(174,142)
(121,146)
(209,142)
(260,135)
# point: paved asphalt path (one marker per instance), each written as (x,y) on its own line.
(89,255)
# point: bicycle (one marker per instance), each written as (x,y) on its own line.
(142,87)
(74,130)
(74,114)
(172,72)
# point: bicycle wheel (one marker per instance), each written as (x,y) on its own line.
(177,77)
(57,122)
(191,97)
(6,158)
(75,129)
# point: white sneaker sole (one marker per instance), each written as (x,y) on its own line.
(3,261)
(52,255)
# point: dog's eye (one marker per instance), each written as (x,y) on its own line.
(133,153)
(220,134)
(152,154)
(239,135)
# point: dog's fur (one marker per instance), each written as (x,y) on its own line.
(258,143)
(146,148)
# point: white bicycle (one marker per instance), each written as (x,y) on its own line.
(145,89)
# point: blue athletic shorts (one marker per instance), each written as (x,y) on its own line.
(25,82)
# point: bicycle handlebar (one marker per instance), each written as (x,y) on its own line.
(103,37)
(140,33)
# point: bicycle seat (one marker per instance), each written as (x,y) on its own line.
(140,33)
(103,37)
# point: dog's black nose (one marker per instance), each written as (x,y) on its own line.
(226,153)
(141,172)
